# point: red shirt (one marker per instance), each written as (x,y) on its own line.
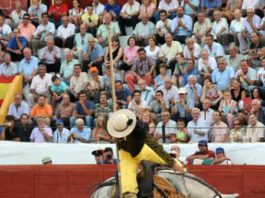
(63,9)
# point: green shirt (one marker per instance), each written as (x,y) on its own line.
(103,31)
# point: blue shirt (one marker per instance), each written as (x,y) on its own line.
(78,108)
(17,112)
(223,78)
(194,72)
(216,50)
(115,8)
(188,9)
(62,87)
(122,95)
(211,4)
(85,133)
(96,52)
(27,67)
(190,94)
(12,44)
(187,20)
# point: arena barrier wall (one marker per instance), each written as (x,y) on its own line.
(79,181)
(10,87)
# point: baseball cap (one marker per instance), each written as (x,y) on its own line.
(182,90)
(108,149)
(203,143)
(93,69)
(59,122)
(219,150)
(98,152)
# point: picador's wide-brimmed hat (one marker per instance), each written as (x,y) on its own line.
(121,123)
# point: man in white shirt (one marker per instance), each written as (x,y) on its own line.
(192,50)
(129,15)
(165,129)
(207,113)
(169,90)
(147,92)
(162,26)
(40,85)
(5,32)
(65,34)
(137,105)
(215,49)
(35,11)
(236,25)
(61,134)
(206,64)
(8,68)
(196,127)
(247,4)
(44,31)
(170,6)
(255,129)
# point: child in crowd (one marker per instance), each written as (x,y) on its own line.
(58,88)
(182,132)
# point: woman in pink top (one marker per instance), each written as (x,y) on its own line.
(147,8)
(130,54)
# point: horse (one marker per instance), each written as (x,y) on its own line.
(186,184)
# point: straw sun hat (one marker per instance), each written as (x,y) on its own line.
(121,123)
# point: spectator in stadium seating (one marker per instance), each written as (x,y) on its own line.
(99,133)
(214,49)
(17,15)
(163,25)
(78,82)
(190,70)
(165,129)
(255,49)
(190,7)
(98,154)
(61,134)
(158,105)
(261,74)
(234,58)
(246,75)
(42,109)
(67,66)
(170,8)
(16,44)
(147,92)
(103,29)
(143,30)
(237,133)
(161,77)
(113,8)
(169,90)
(36,9)
(25,127)
(137,105)
(192,50)
(221,158)
(203,156)
(152,49)
(201,28)
(108,157)
(219,130)
(250,24)
(51,56)
(181,135)
(206,64)
(220,28)
(1,56)
(238,93)
(18,108)
(75,13)
(96,83)
(194,90)
(26,28)
(181,26)
(107,80)
(236,25)
(148,118)
(147,8)
(181,108)
(247,4)
(168,51)
(10,131)
(65,110)
(258,110)
(207,113)
(8,68)
(42,133)
(210,91)
(129,15)
(98,8)
(28,66)
(58,88)
(180,70)
(80,133)
(123,94)
(142,68)
(93,56)
(103,107)
(196,127)
(129,55)
(84,109)
(90,19)
(5,33)
(228,108)
(222,75)
(56,11)
(44,31)
(65,34)
(256,93)
(255,129)
(40,85)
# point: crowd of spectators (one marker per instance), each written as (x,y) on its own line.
(192,70)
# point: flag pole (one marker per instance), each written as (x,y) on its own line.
(114,103)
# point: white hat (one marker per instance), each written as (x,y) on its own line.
(121,123)
(46,160)
(182,90)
